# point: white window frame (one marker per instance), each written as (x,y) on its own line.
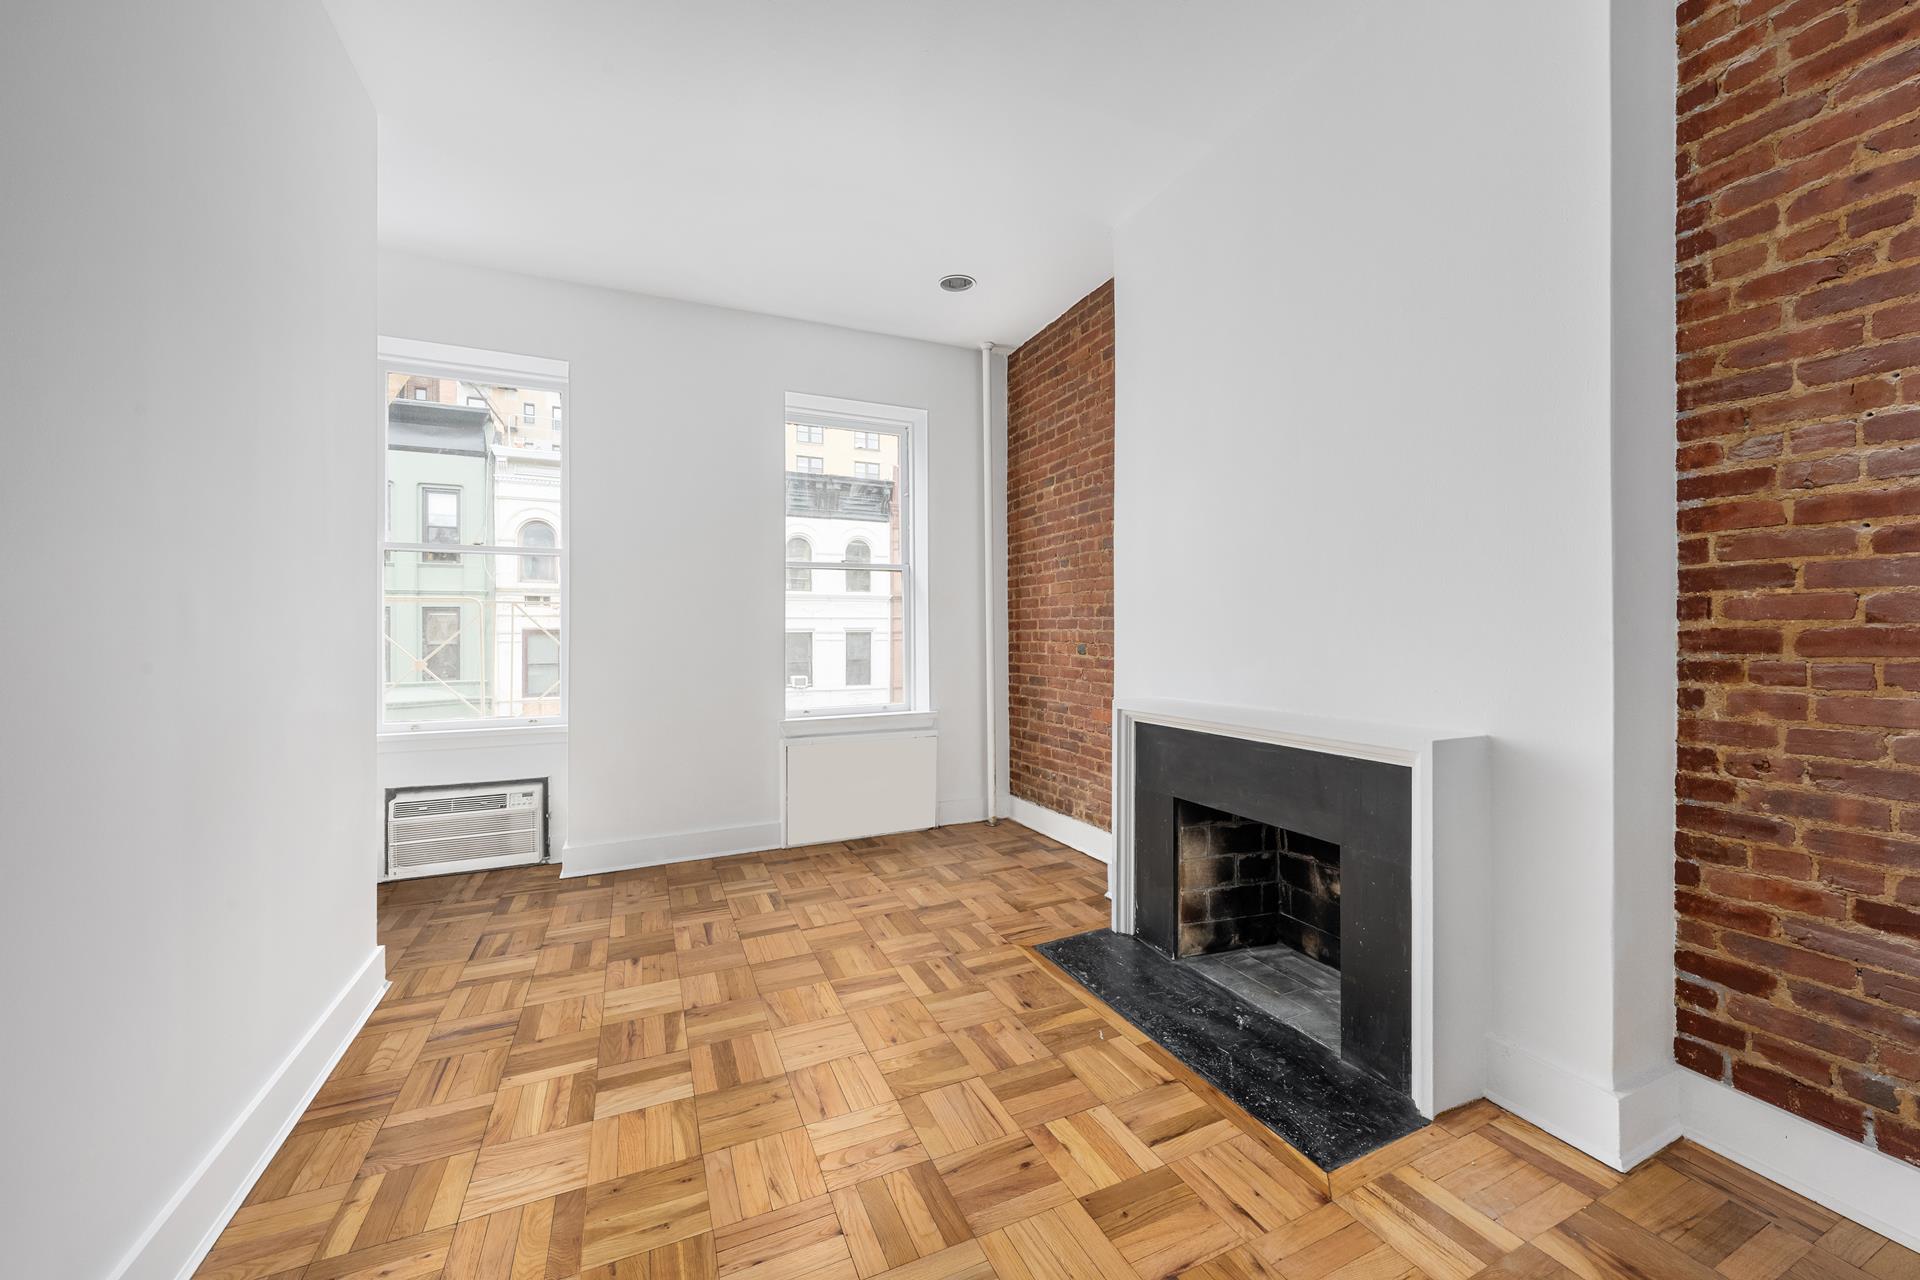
(491,368)
(909,424)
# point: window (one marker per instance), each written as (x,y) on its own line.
(440,642)
(473,556)
(419,393)
(858,552)
(852,529)
(799,551)
(540,665)
(440,522)
(799,659)
(859,659)
(538,533)
(556,415)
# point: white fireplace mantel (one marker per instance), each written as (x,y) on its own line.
(1451,875)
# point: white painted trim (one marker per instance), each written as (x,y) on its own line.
(603,856)
(909,422)
(473,364)
(1874,1190)
(952,813)
(181,1234)
(1619,1127)
(1071,832)
(833,724)
(494,737)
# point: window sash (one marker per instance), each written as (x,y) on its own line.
(906,646)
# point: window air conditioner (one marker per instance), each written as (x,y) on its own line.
(799,682)
(433,831)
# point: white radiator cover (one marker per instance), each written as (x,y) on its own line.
(854,785)
(437,830)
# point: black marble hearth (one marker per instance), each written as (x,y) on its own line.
(1330,1111)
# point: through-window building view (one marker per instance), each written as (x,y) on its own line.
(1236,640)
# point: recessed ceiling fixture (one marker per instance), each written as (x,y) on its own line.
(956,283)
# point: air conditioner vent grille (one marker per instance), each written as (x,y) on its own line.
(436,830)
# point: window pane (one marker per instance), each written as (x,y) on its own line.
(538,533)
(859,659)
(467,461)
(855,642)
(799,659)
(858,553)
(469,640)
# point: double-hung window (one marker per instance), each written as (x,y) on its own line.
(473,558)
(855,538)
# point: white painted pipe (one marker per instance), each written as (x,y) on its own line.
(986,565)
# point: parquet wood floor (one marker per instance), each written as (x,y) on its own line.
(842,1063)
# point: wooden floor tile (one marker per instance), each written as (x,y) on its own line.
(924,1064)
(836,1087)
(274,1237)
(1172,1121)
(800,1242)
(646,1138)
(513,1173)
(958,1117)
(1060,1244)
(1002,1182)
(643,1212)
(898,1218)
(805,1044)
(1246,1187)
(648,1082)
(1092,1150)
(746,1112)
(758,1177)
(1158,1224)
(865,1144)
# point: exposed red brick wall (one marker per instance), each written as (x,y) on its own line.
(1060,562)
(1798,872)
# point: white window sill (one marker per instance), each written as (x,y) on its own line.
(836,724)
(474,736)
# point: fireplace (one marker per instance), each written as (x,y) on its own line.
(1283,875)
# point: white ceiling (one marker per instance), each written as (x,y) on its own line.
(825,159)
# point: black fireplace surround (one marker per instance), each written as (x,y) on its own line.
(1362,806)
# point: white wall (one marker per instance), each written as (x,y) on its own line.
(675,702)
(1364,451)
(187,320)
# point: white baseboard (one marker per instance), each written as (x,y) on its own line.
(1616,1126)
(1874,1190)
(657,851)
(1071,832)
(184,1230)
